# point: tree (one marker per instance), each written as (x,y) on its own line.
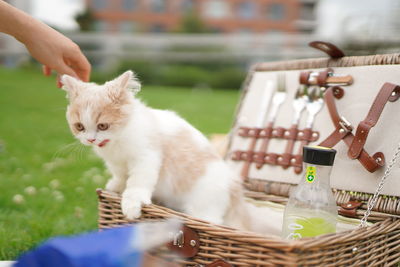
(85,20)
(192,23)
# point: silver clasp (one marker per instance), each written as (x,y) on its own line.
(179,239)
(345,125)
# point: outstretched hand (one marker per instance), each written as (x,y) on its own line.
(59,53)
(48,46)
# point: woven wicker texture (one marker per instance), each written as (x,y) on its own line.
(377,245)
(384,208)
(388,59)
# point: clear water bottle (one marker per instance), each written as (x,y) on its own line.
(311,209)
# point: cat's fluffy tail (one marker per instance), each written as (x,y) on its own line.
(246,216)
(264,220)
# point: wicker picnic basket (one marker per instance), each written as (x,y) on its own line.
(205,244)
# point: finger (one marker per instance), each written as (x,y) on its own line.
(46,70)
(81,66)
(64,69)
(59,83)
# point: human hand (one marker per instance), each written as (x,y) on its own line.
(59,53)
(46,45)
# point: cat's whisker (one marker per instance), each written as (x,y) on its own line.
(75,148)
(65,149)
(78,152)
(82,150)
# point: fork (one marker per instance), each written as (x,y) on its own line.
(299,103)
(314,105)
(277,100)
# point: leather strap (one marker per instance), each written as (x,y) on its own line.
(343,132)
(304,76)
(388,92)
(349,209)
(287,155)
(264,146)
(330,49)
(324,78)
(186,242)
(246,166)
(304,141)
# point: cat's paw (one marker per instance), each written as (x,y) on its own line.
(115,185)
(132,202)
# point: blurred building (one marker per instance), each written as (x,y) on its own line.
(225,16)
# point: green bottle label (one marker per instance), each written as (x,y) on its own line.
(310,174)
(310,227)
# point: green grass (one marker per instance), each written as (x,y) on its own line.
(35,151)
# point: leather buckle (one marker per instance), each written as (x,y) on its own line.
(345,125)
(349,209)
(186,242)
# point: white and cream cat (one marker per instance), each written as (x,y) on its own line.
(155,154)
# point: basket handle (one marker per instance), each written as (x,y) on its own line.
(330,49)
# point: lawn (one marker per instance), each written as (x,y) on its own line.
(47,179)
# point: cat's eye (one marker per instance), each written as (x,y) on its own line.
(79,126)
(103,126)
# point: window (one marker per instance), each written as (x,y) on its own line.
(247,10)
(129,4)
(127,26)
(158,6)
(276,11)
(216,9)
(100,4)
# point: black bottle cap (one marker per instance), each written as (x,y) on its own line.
(319,155)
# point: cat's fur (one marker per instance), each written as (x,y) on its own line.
(154,154)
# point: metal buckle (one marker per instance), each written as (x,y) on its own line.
(313,78)
(345,125)
(179,239)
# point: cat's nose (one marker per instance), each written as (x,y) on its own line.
(91,140)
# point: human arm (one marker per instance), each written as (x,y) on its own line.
(46,45)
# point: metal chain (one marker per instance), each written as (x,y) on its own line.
(372,202)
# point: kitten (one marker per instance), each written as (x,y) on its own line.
(154,154)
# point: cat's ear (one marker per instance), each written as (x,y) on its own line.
(128,81)
(70,85)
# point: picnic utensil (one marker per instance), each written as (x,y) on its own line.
(299,103)
(325,78)
(313,106)
(265,102)
(277,100)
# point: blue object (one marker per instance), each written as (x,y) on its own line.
(109,248)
